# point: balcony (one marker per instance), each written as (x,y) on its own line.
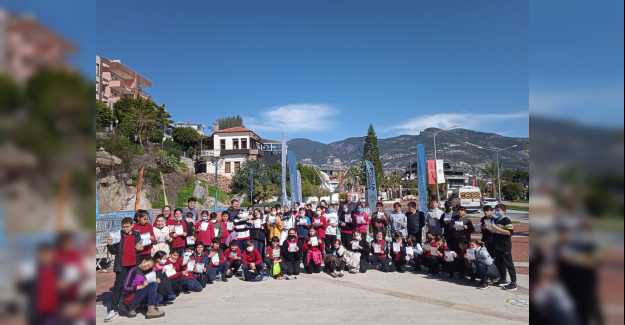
(250,152)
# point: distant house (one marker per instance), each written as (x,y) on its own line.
(230,148)
(196,126)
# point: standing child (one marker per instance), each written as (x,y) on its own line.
(380,221)
(313,255)
(125,252)
(257,231)
(178,232)
(361,219)
(346,223)
(141,288)
(274,223)
(379,253)
(161,232)
(288,223)
(252,263)
(331,229)
(144,228)
(292,253)
(273,258)
(203,233)
(320,224)
(226,227)
(303,225)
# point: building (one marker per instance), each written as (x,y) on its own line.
(272,146)
(199,128)
(114,80)
(230,148)
(27,47)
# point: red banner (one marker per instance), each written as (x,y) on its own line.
(432,172)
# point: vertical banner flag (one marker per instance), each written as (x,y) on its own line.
(431,172)
(372,192)
(440,171)
(283,175)
(421,178)
(292,162)
(299,187)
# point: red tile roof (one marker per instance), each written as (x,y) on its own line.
(234,129)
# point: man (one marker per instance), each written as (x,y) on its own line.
(433,218)
(487,236)
(234,209)
(398,221)
(502,230)
(415,222)
(191,207)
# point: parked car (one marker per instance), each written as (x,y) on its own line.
(470,198)
(489,201)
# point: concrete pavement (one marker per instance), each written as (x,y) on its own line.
(371,298)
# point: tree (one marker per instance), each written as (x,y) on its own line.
(266,180)
(10,94)
(371,152)
(138,118)
(103,116)
(512,191)
(187,138)
(230,122)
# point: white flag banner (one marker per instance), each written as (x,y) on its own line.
(440,172)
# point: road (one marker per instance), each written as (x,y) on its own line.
(371,298)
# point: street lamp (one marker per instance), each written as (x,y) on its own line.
(438,195)
(497,151)
(215,160)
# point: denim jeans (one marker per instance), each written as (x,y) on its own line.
(212,271)
(147,295)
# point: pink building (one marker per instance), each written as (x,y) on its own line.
(115,80)
(26,47)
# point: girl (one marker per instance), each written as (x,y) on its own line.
(204,233)
(233,258)
(335,259)
(288,223)
(319,222)
(273,259)
(198,263)
(216,262)
(361,219)
(380,221)
(357,256)
(291,251)
(303,225)
(252,263)
(346,223)
(178,232)
(226,227)
(274,223)
(161,232)
(181,279)
(144,228)
(449,261)
(257,231)
(140,288)
(312,252)
(379,253)
(165,288)
(459,237)
(331,230)
(432,253)
(398,253)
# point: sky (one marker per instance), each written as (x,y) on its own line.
(326,69)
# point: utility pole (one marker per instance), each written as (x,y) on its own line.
(438,195)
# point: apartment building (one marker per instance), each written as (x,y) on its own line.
(26,47)
(231,149)
(114,80)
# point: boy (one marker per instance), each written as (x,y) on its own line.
(379,253)
(502,230)
(145,230)
(141,288)
(335,259)
(233,258)
(217,263)
(398,253)
(252,263)
(398,221)
(125,252)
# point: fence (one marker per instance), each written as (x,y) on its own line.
(105,224)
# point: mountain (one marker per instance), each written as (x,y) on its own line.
(459,147)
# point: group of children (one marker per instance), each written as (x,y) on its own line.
(183,251)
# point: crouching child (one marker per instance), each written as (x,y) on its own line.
(335,260)
(273,258)
(141,288)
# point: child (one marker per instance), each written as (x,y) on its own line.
(226,228)
(398,253)
(144,228)
(380,221)
(273,259)
(357,256)
(303,225)
(141,288)
(252,263)
(292,254)
(257,231)
(216,262)
(379,253)
(331,229)
(361,219)
(165,288)
(233,258)
(484,267)
(182,280)
(320,223)
(335,259)
(161,232)
(199,261)
(204,229)
(125,252)
(178,232)
(449,260)
(346,223)
(312,252)
(274,223)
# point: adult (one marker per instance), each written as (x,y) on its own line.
(502,229)
(191,208)
(415,222)
(487,236)
(398,221)
(345,222)
(234,209)
(433,218)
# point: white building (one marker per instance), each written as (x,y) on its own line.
(231,148)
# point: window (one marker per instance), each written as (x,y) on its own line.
(243,143)
(222,143)
(235,144)
(237,166)
(228,167)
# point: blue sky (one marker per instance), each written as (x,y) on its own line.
(326,69)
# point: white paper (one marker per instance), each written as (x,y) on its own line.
(376,248)
(233,255)
(449,256)
(169,270)
(276,253)
(185,259)
(230,226)
(203,226)
(360,220)
(116,236)
(459,225)
(145,239)
(258,223)
(191,266)
(272,220)
(348,218)
(409,250)
(314,241)
(293,247)
(216,232)
(199,268)
(150,277)
(396,247)
(215,259)
(71,274)
(190,241)
(178,230)
(470,255)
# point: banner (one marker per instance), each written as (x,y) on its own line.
(421,178)
(372,192)
(431,172)
(292,162)
(440,171)
(299,187)
(283,197)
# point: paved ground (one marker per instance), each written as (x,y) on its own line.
(371,298)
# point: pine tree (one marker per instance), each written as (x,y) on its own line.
(371,152)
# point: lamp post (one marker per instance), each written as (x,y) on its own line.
(497,151)
(215,160)
(438,195)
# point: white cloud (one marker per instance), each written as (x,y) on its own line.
(560,101)
(303,117)
(446,120)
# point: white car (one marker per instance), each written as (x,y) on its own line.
(489,201)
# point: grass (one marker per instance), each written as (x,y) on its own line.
(517,207)
(222,196)
(184,193)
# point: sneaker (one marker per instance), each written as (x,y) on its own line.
(286,277)
(341,274)
(224,279)
(333,274)
(500,284)
(111,316)
(510,287)
(153,312)
(483,285)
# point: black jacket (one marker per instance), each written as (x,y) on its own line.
(118,249)
(416,222)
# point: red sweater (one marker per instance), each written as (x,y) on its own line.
(180,241)
(230,252)
(47,291)
(222,258)
(145,229)
(269,252)
(204,236)
(321,226)
(382,244)
(307,246)
(252,258)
